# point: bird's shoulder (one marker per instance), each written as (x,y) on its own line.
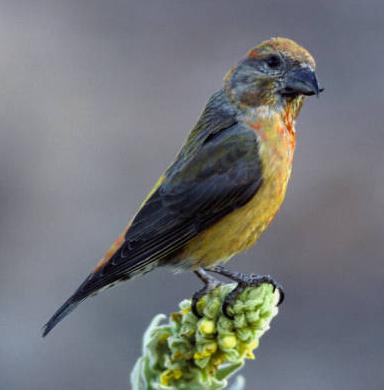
(219,130)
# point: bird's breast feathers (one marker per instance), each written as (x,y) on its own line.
(240,229)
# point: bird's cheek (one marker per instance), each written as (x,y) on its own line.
(251,97)
(260,93)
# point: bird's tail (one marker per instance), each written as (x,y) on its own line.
(69,305)
(94,283)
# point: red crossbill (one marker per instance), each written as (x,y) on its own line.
(227,182)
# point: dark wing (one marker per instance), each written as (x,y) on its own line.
(222,175)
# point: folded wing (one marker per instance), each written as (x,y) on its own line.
(222,174)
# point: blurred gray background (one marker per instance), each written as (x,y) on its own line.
(96,98)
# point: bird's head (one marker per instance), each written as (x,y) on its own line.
(277,73)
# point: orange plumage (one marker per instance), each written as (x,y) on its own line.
(229,179)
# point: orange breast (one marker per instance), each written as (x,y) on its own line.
(239,230)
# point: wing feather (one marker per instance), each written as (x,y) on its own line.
(217,171)
(221,177)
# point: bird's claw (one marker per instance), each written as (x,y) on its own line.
(250,280)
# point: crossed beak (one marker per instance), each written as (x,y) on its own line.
(301,81)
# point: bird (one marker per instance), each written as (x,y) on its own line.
(227,182)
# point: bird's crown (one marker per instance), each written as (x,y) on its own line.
(286,47)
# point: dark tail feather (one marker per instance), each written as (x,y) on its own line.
(62,312)
(88,288)
(84,291)
(92,284)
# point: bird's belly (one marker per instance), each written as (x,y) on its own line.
(239,230)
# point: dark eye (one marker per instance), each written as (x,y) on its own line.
(273,61)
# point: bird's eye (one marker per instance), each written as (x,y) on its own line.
(273,61)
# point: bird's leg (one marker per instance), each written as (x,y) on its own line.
(209,284)
(244,281)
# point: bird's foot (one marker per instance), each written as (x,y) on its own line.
(244,281)
(210,283)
